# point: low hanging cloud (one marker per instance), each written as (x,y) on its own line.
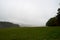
(33,12)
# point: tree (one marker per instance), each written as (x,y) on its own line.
(52,22)
(58,16)
(8,25)
(55,21)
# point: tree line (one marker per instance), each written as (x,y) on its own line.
(55,21)
(4,24)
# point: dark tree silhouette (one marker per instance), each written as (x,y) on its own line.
(55,21)
(51,22)
(58,17)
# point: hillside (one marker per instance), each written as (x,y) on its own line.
(4,24)
(32,33)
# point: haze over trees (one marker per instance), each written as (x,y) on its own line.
(7,25)
(55,21)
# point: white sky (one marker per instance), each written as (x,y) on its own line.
(33,12)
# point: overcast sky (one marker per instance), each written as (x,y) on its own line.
(33,12)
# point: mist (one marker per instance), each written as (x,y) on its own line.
(29,12)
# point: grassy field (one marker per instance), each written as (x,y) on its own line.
(32,33)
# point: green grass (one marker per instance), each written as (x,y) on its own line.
(32,33)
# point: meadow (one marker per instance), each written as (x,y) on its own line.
(30,33)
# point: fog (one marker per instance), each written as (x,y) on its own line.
(31,12)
